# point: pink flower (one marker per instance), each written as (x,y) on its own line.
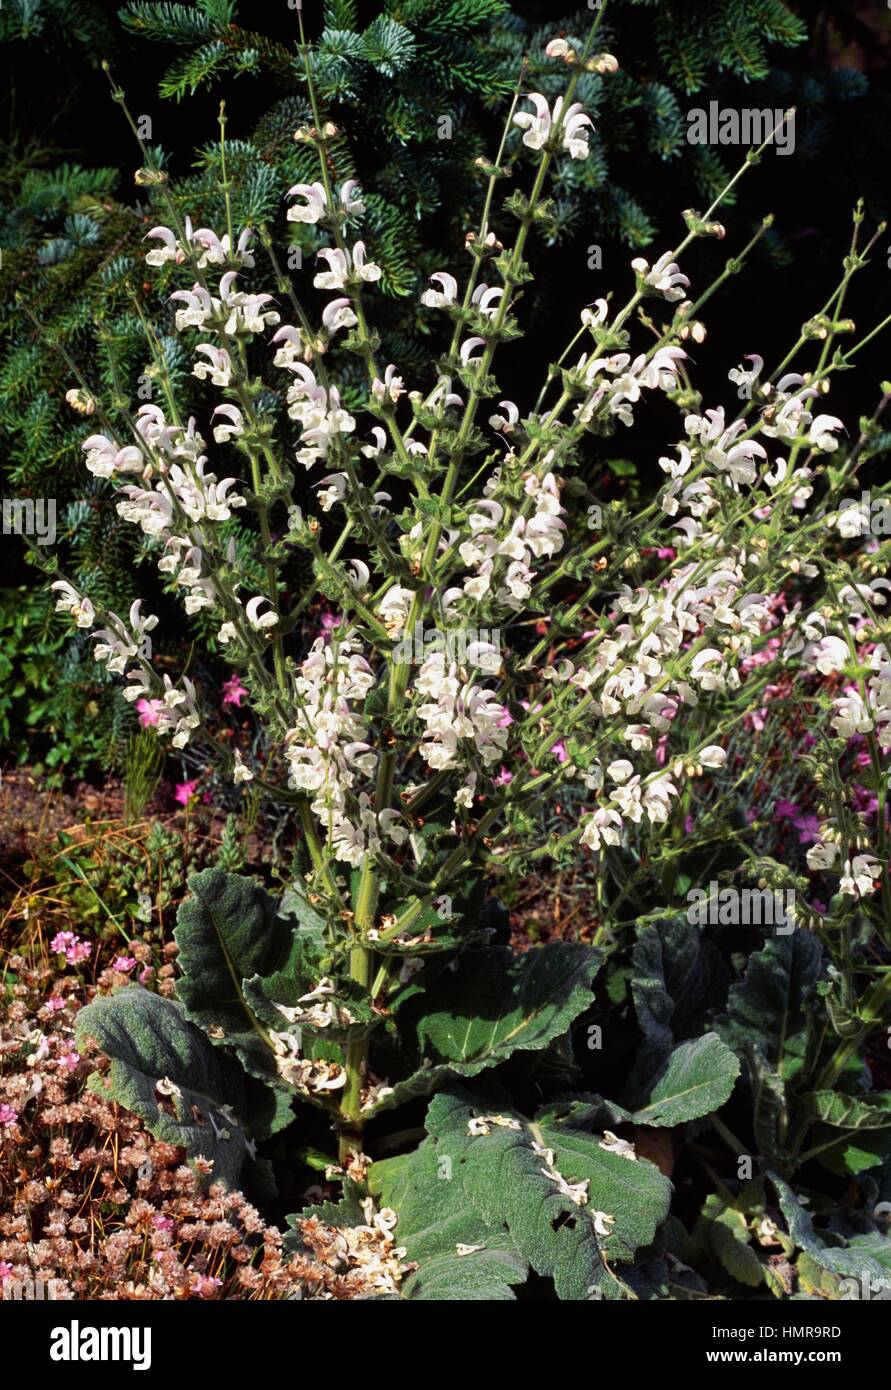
(124,964)
(162,1223)
(184,791)
(8,1116)
(233,691)
(70,1059)
(148,711)
(505,720)
(5,1271)
(559,752)
(71,947)
(808,828)
(145,976)
(205,1286)
(785,810)
(689,823)
(504,778)
(55,1004)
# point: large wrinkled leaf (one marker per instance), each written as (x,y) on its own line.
(149,1040)
(435,1218)
(766,1025)
(766,1010)
(851,1112)
(678,974)
(496,1003)
(838,1258)
(698,1079)
(502,1187)
(229,929)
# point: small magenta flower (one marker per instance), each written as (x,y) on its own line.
(559,751)
(69,1060)
(123,964)
(70,946)
(184,791)
(55,1004)
(148,711)
(8,1117)
(504,778)
(233,691)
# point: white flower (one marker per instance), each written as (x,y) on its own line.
(441,299)
(314,206)
(70,601)
(822,856)
(242,773)
(337,315)
(538,126)
(258,620)
(218,367)
(665,277)
(223,433)
(860,877)
(712,756)
(821,436)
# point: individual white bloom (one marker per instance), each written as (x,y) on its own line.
(852,519)
(594,320)
(852,716)
(539,124)
(443,297)
(665,277)
(78,605)
(227,633)
(171,249)
(217,250)
(350,203)
(200,308)
(557,48)
(393,826)
(343,267)
(605,62)
(620,770)
(242,772)
(391,388)
(258,620)
(821,436)
(747,377)
(314,206)
(822,856)
(638,735)
(338,315)
(468,348)
(860,877)
(372,451)
(106,459)
(223,433)
(602,828)
(829,654)
(602,1223)
(505,423)
(394,609)
(487,299)
(218,366)
(712,756)
(334,490)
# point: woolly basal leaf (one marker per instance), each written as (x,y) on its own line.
(228,930)
(698,1078)
(506,1190)
(202,1101)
